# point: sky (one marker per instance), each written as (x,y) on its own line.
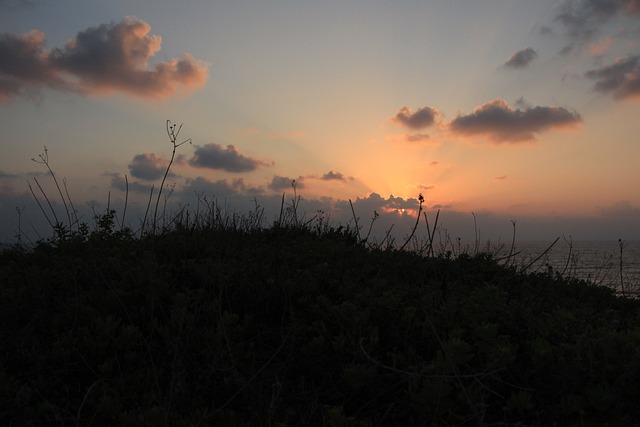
(503,114)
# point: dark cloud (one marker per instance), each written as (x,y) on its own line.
(200,185)
(147,166)
(421,118)
(231,190)
(334,176)
(501,123)
(280,183)
(107,58)
(565,50)
(24,64)
(522,103)
(544,30)
(17,4)
(213,156)
(7,175)
(621,79)
(242,187)
(521,59)
(583,17)
(621,209)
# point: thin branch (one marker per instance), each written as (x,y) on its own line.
(74,211)
(48,202)
(566,265)
(39,204)
(541,255)
(126,200)
(622,245)
(44,159)
(355,219)
(420,200)
(431,233)
(147,211)
(475,232)
(173,133)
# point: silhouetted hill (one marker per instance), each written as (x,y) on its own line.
(294,326)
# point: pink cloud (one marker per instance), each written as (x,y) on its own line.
(107,58)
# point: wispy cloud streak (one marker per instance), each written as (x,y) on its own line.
(521,59)
(583,18)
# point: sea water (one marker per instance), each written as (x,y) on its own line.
(611,263)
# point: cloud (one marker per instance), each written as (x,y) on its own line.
(280,183)
(25,64)
(522,103)
(621,79)
(598,49)
(501,123)
(4,175)
(565,50)
(418,188)
(110,57)
(411,138)
(417,137)
(16,4)
(396,214)
(119,183)
(240,186)
(583,17)
(147,166)
(620,209)
(544,30)
(334,176)
(234,189)
(421,118)
(213,156)
(375,201)
(521,59)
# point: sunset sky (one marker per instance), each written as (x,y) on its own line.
(525,111)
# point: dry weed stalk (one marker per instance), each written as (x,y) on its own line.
(173,131)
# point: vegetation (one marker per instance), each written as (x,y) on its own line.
(218,320)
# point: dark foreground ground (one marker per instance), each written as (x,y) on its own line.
(287,327)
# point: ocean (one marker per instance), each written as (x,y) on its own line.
(600,262)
